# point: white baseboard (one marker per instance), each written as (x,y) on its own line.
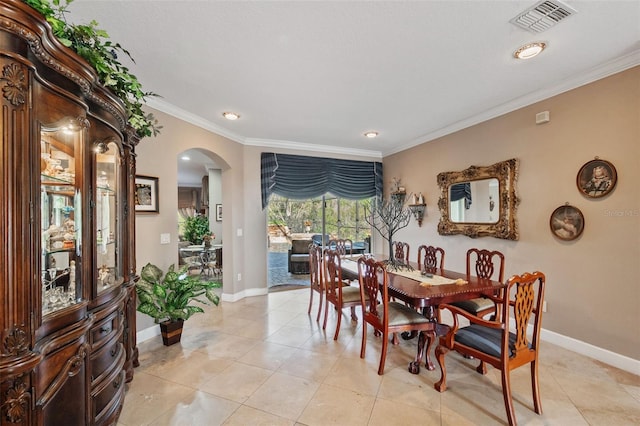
(227,297)
(616,360)
(147,333)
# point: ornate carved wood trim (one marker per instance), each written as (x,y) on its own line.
(17,400)
(15,341)
(15,86)
(70,369)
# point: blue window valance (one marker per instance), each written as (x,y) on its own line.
(460,191)
(303,177)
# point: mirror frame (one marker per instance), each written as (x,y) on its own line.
(507,226)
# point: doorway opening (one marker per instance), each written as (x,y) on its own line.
(199,230)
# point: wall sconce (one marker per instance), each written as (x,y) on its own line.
(418,207)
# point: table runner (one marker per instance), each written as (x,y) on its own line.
(415,275)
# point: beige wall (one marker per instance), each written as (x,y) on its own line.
(159,157)
(593,293)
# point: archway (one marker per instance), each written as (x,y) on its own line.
(199,210)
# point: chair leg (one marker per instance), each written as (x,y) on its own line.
(383,354)
(396,341)
(363,345)
(335,336)
(537,405)
(319,306)
(326,312)
(310,300)
(354,317)
(441,385)
(506,393)
(482,368)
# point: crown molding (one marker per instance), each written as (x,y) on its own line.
(196,120)
(324,149)
(596,73)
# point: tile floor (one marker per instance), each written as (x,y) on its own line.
(264,361)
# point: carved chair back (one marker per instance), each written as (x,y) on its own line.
(430,258)
(342,246)
(401,251)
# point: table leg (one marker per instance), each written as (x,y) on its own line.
(428,336)
(414,366)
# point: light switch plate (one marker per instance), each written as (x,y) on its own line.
(165,238)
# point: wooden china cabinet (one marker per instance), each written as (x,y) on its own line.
(67,267)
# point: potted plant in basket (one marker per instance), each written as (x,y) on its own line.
(167,298)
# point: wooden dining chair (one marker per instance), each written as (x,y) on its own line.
(383,315)
(193,262)
(401,251)
(487,265)
(316,277)
(430,258)
(343,246)
(494,342)
(337,292)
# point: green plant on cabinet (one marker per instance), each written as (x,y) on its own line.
(93,44)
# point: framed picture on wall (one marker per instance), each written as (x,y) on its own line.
(146,196)
(567,222)
(218,212)
(597,178)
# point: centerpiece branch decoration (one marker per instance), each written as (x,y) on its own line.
(388,217)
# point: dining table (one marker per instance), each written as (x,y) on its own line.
(425,291)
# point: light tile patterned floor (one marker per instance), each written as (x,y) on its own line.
(264,361)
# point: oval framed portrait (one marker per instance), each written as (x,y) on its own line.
(597,178)
(567,222)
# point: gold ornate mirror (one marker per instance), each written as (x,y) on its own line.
(480,201)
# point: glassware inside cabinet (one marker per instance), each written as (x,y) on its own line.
(61,224)
(107,187)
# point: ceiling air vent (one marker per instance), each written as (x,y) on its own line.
(543,16)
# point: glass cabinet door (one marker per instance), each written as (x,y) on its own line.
(61,222)
(106,216)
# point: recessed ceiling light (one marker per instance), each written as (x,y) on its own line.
(371,135)
(530,50)
(230,115)
(185,158)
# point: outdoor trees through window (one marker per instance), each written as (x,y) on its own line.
(343,218)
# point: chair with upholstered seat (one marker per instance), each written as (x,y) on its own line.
(337,292)
(316,277)
(430,258)
(487,265)
(494,342)
(385,316)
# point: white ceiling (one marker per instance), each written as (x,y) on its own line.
(317,74)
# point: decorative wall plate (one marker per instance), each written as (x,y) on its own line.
(597,178)
(567,222)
